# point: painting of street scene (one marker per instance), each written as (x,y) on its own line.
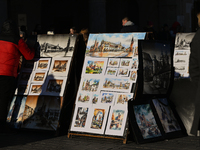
(90,84)
(122,98)
(35,89)
(59,45)
(183,40)
(94,67)
(81,116)
(83,97)
(133,75)
(117,84)
(157,67)
(125,63)
(117,119)
(39,76)
(146,121)
(98,118)
(167,118)
(59,66)
(15,114)
(43,64)
(123,72)
(113,62)
(42,112)
(113,45)
(111,71)
(95,98)
(107,97)
(134,64)
(54,86)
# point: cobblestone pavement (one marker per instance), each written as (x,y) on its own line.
(47,141)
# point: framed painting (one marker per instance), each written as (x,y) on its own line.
(97,119)
(80,118)
(133,75)
(25,76)
(134,63)
(107,98)
(54,86)
(95,98)
(15,113)
(125,63)
(113,44)
(36,89)
(43,64)
(83,97)
(60,66)
(48,106)
(122,99)
(183,40)
(123,72)
(117,84)
(144,123)
(90,84)
(57,45)
(94,66)
(111,71)
(113,62)
(169,118)
(156,72)
(39,76)
(117,121)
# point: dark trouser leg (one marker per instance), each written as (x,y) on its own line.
(6,95)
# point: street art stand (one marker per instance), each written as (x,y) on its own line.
(108,77)
(152,115)
(47,84)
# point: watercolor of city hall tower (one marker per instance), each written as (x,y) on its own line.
(113,45)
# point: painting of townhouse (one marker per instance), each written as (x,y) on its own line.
(60,66)
(94,66)
(111,71)
(117,84)
(125,62)
(134,63)
(116,121)
(83,97)
(122,99)
(133,75)
(35,89)
(43,64)
(107,98)
(123,72)
(95,98)
(39,76)
(58,45)
(113,45)
(113,62)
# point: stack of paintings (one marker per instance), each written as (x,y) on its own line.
(181,54)
(108,75)
(42,84)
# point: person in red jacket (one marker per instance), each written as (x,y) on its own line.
(11,48)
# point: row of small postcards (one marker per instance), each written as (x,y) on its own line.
(103,94)
(43,76)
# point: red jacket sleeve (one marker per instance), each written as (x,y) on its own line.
(27,52)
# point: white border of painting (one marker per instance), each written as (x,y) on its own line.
(111,68)
(93,78)
(36,63)
(81,93)
(40,71)
(54,93)
(113,59)
(90,117)
(30,89)
(57,73)
(94,59)
(123,127)
(125,59)
(120,75)
(126,79)
(130,95)
(80,129)
(107,93)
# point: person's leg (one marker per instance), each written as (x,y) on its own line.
(6,94)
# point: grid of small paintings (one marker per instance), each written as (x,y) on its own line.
(181,54)
(108,74)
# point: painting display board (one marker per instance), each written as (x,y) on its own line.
(42,84)
(152,115)
(182,54)
(108,75)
